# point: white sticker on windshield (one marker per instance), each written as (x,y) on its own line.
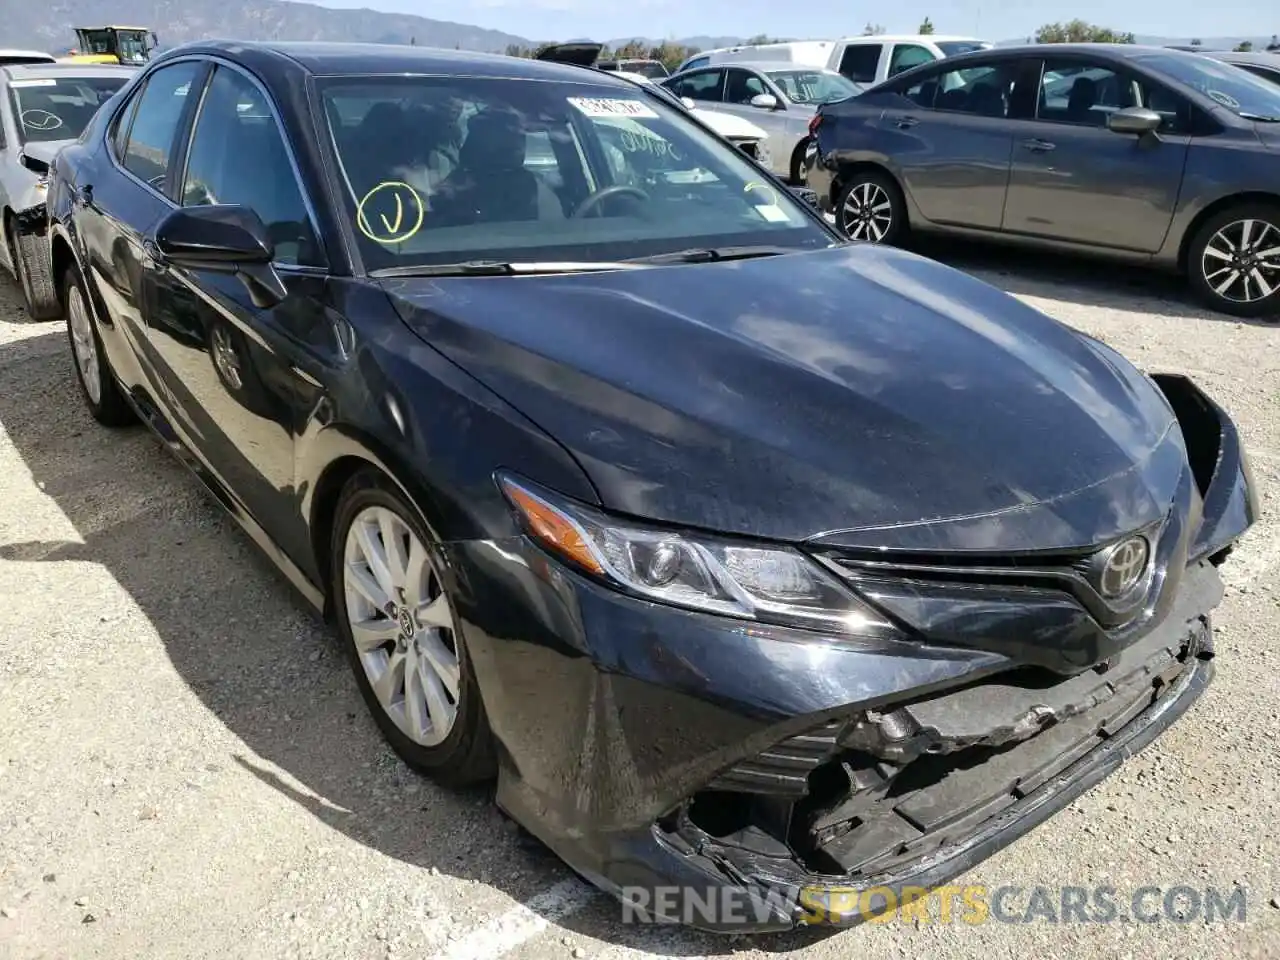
(593,107)
(772,213)
(41,82)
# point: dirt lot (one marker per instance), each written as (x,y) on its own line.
(186,769)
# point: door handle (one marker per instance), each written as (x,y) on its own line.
(904,123)
(1038,146)
(153,253)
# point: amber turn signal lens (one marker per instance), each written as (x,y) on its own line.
(553,528)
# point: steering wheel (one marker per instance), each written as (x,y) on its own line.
(42,119)
(597,198)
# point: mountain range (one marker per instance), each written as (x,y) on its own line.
(47,26)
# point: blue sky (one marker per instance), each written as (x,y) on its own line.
(993,19)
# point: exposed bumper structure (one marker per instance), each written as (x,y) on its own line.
(665,751)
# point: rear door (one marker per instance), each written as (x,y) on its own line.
(948,134)
(1074,180)
(121,200)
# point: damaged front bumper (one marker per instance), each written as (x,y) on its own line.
(679,759)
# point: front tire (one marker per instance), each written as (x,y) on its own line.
(1233,261)
(34,272)
(102,394)
(391,599)
(870,207)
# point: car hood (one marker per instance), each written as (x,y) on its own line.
(860,394)
(1269,134)
(729,126)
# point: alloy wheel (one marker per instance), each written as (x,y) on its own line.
(402,625)
(867,213)
(1241,261)
(84,344)
(225,358)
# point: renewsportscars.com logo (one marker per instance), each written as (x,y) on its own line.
(970,904)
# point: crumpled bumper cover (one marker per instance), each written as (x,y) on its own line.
(655,749)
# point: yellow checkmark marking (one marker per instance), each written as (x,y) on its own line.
(393,230)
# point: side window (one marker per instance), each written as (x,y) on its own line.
(860,61)
(120,133)
(238,155)
(908,55)
(1079,92)
(156,118)
(1175,110)
(985,91)
(706,85)
(741,86)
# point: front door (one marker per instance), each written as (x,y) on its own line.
(235,372)
(1072,179)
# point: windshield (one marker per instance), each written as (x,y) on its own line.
(814,86)
(1238,90)
(441,170)
(133,48)
(953,48)
(58,109)
(646,68)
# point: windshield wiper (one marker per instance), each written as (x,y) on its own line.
(1259,118)
(713,254)
(500,268)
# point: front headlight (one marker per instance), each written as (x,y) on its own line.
(771,584)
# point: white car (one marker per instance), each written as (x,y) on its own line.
(778,95)
(865,60)
(742,133)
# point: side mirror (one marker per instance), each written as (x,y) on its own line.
(223,238)
(1134,120)
(688,102)
(765,101)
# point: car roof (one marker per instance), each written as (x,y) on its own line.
(49,71)
(1240,56)
(1114,51)
(352,59)
(7,52)
(912,37)
(762,66)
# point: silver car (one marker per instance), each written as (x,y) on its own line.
(778,97)
(43,107)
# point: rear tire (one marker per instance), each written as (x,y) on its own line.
(102,394)
(870,206)
(33,268)
(407,634)
(1225,263)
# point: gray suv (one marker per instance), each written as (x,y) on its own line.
(1146,155)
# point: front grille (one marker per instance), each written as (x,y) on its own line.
(783,770)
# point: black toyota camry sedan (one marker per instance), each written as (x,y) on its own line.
(749,561)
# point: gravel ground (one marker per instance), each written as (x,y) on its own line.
(186,769)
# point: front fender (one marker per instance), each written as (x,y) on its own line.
(1219,463)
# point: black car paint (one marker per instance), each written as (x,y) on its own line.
(1130,198)
(608,388)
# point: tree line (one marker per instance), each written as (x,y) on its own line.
(672,54)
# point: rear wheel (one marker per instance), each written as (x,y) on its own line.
(393,609)
(870,207)
(34,271)
(797,163)
(98,387)
(1233,262)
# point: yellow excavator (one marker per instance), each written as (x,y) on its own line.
(131,46)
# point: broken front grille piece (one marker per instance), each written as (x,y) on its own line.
(859,796)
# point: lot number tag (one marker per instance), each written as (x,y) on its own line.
(612,108)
